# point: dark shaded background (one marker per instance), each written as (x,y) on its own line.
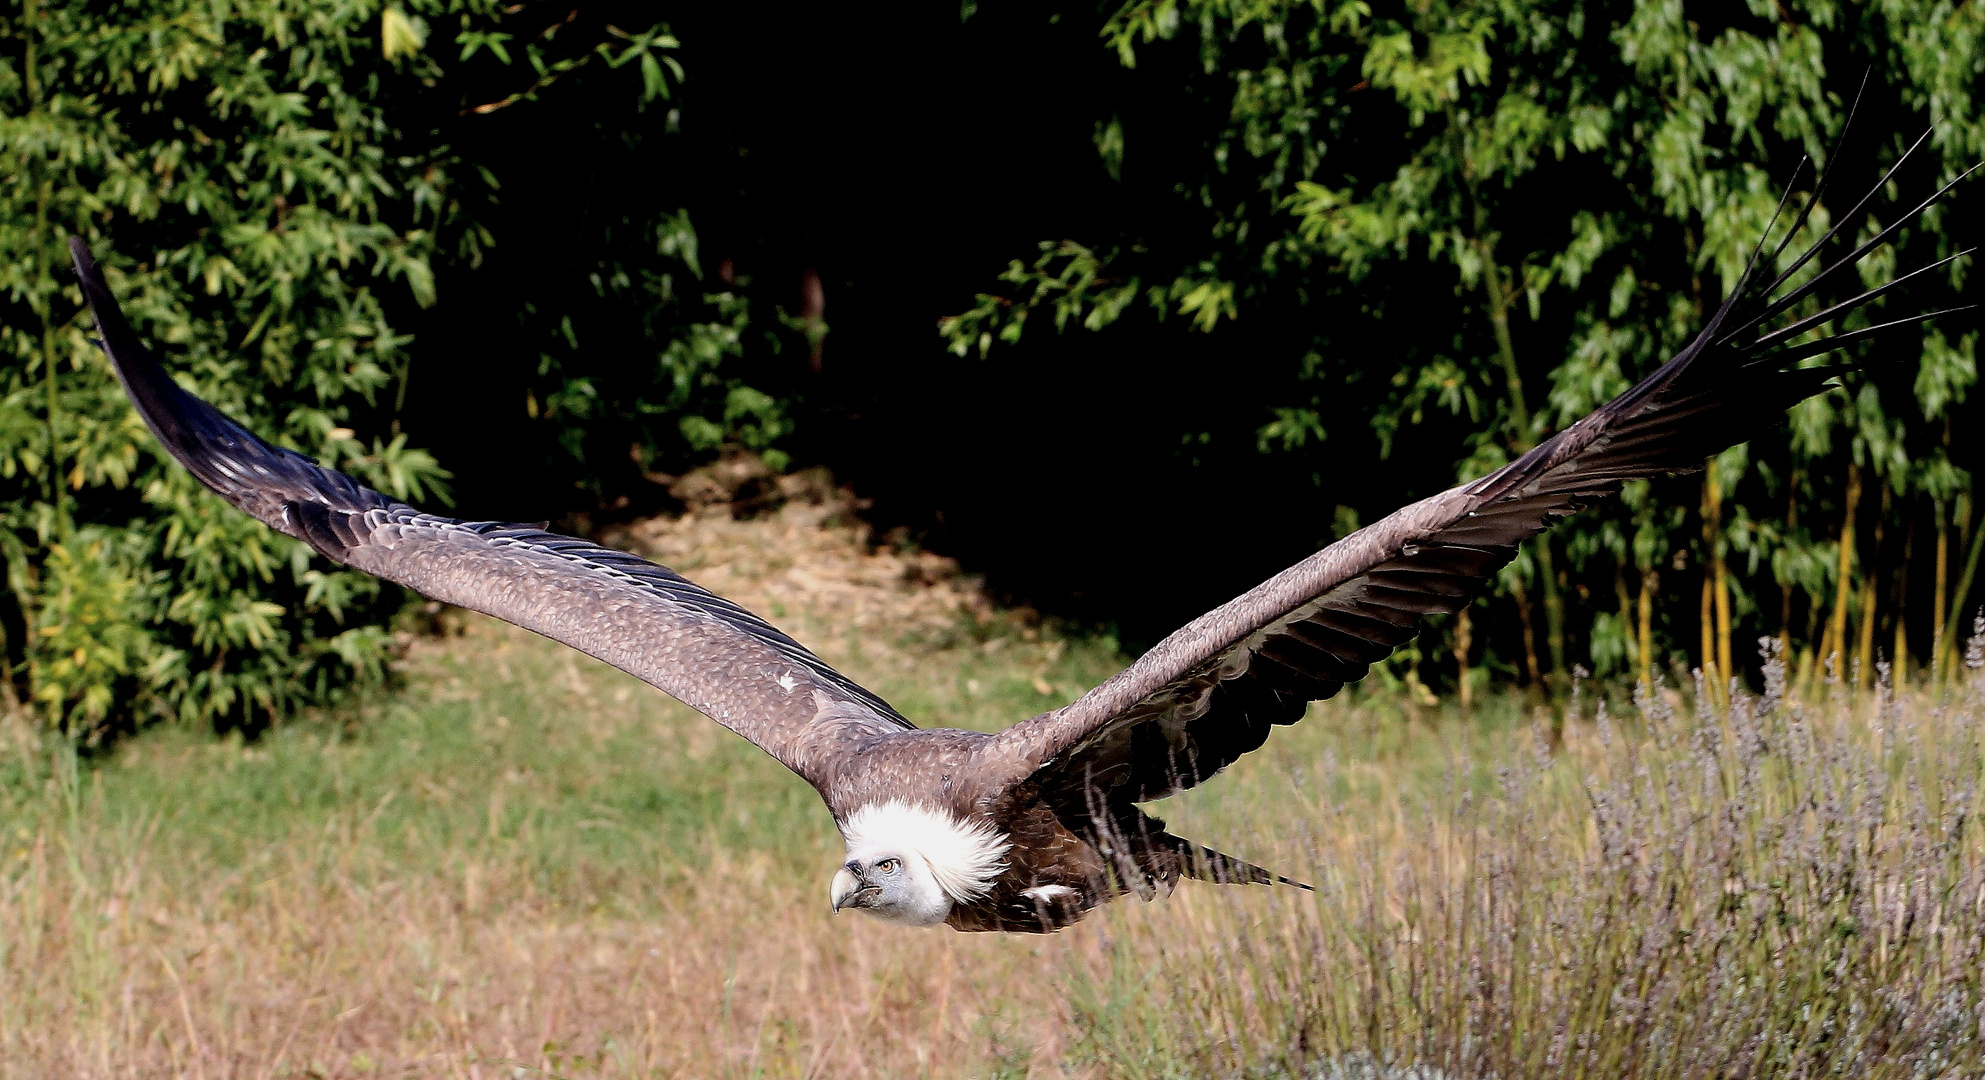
(906,155)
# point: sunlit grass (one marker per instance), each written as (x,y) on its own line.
(1782,889)
(523,860)
(523,849)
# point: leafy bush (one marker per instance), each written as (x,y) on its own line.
(270,185)
(1464,224)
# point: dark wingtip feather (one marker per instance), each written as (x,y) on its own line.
(1774,308)
(1792,354)
(160,401)
(220,453)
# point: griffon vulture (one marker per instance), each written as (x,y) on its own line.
(1030,828)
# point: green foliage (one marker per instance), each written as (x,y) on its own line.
(1572,186)
(271,186)
(693,397)
(1457,224)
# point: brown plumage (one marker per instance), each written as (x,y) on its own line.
(1032,827)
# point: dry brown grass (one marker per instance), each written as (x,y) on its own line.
(527,864)
(734,972)
(525,860)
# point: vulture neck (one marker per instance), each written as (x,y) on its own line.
(965,858)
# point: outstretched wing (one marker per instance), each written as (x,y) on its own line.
(1210,692)
(644,619)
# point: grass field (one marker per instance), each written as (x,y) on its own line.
(522,863)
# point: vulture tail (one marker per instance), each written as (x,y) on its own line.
(1202,863)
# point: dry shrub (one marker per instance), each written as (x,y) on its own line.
(1778,889)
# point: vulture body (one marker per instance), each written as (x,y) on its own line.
(1030,828)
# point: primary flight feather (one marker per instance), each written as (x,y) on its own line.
(1030,828)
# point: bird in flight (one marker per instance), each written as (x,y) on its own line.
(1030,828)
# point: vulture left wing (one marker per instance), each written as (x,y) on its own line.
(1211,691)
(644,619)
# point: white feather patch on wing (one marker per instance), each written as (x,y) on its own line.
(965,857)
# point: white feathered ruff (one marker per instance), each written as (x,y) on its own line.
(965,858)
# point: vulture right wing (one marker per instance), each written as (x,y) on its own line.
(644,619)
(1211,691)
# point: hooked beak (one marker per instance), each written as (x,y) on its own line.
(849,890)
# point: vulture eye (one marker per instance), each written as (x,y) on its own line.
(886,866)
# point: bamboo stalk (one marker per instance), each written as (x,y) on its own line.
(1827,649)
(1650,580)
(1785,587)
(1809,656)
(31,82)
(56,496)
(1724,663)
(1864,645)
(1554,605)
(1940,594)
(1864,648)
(1837,627)
(1947,616)
(1522,598)
(1899,659)
(1521,442)
(1624,597)
(1708,623)
(1715,591)
(1464,638)
(1726,670)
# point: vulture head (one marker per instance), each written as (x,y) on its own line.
(909,864)
(893,886)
